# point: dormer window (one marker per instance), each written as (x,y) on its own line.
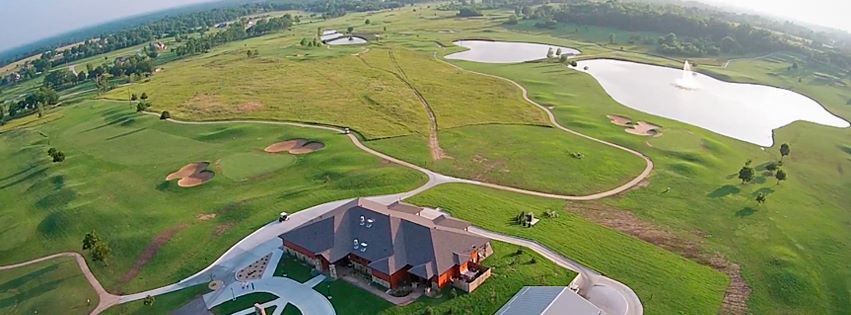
(363,247)
(369,222)
(355,244)
(362,220)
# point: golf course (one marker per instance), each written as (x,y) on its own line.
(267,124)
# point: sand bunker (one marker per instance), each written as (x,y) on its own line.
(192,175)
(641,128)
(620,120)
(196,179)
(188,170)
(644,129)
(295,146)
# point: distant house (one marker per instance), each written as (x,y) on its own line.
(548,301)
(393,245)
(159,45)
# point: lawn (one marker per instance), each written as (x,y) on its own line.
(113,182)
(665,282)
(512,266)
(56,286)
(530,157)
(243,302)
(291,268)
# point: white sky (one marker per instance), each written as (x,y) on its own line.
(832,13)
(26,21)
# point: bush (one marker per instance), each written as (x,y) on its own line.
(165,115)
(141,106)
(468,12)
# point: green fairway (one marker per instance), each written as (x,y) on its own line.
(113,182)
(665,282)
(243,166)
(56,286)
(513,268)
(530,157)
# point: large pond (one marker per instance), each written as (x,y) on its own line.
(504,52)
(746,112)
(347,40)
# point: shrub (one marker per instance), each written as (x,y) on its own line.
(165,115)
(468,12)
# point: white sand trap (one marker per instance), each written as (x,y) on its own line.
(187,170)
(295,146)
(620,120)
(196,179)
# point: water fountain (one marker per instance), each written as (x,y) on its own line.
(687,81)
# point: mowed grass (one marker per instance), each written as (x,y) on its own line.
(530,157)
(113,182)
(458,98)
(37,288)
(795,243)
(243,302)
(163,304)
(512,268)
(665,282)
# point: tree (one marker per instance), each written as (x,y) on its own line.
(165,115)
(350,29)
(144,96)
(780,175)
(468,12)
(58,157)
(100,252)
(148,301)
(40,108)
(366,22)
(746,174)
(303,42)
(760,198)
(784,150)
(2,112)
(90,240)
(771,166)
(133,97)
(512,20)
(249,53)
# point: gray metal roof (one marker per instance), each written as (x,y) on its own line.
(396,237)
(544,300)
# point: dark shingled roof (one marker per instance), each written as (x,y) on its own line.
(396,237)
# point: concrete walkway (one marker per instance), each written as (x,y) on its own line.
(287,290)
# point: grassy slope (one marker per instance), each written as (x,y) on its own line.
(112,182)
(531,157)
(52,287)
(665,282)
(796,243)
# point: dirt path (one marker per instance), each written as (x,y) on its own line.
(437,152)
(105,299)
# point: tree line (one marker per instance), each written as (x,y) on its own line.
(236,31)
(691,31)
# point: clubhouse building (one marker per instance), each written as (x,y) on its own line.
(394,246)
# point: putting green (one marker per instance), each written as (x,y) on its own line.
(244,166)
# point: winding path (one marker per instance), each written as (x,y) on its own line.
(601,289)
(105,299)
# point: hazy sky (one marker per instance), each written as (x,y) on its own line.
(833,13)
(26,21)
